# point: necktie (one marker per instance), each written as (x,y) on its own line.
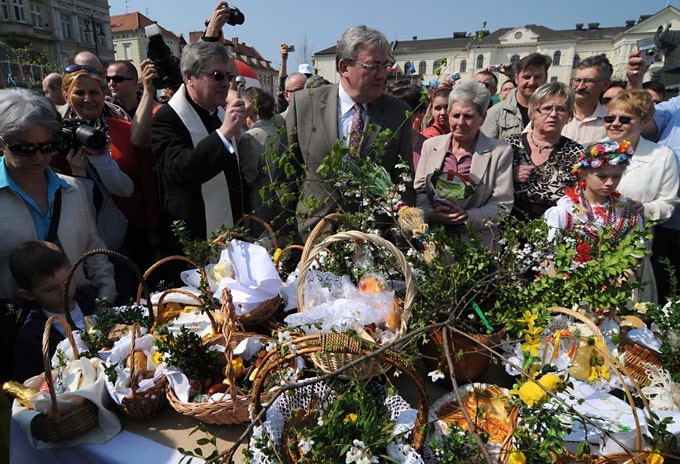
(355,132)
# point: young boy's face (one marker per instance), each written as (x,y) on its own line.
(48,292)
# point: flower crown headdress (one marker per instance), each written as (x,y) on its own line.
(604,154)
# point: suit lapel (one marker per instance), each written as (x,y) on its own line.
(480,160)
(328,112)
(375,117)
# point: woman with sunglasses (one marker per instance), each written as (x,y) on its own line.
(542,157)
(652,177)
(38,204)
(99,170)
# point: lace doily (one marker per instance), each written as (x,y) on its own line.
(400,412)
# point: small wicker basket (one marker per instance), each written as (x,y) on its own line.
(231,410)
(62,425)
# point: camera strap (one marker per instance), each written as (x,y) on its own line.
(54,220)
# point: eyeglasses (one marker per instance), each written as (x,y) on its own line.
(547,110)
(372,66)
(29,149)
(219,76)
(622,119)
(77,67)
(585,81)
(119,79)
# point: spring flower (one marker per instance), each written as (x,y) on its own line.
(654,458)
(596,163)
(283,337)
(550,381)
(305,445)
(237,366)
(436,375)
(351,417)
(529,319)
(158,358)
(517,457)
(360,454)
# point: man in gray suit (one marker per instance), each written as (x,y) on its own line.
(319,118)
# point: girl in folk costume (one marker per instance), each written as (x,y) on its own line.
(595,204)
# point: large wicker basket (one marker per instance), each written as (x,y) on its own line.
(61,425)
(337,350)
(308,347)
(229,410)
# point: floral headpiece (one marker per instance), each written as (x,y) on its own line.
(604,154)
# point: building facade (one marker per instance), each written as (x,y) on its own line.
(467,53)
(130,41)
(55,29)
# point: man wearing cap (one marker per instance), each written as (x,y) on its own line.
(319,118)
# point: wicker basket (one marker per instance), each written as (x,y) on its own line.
(160,307)
(147,404)
(444,412)
(227,411)
(62,425)
(341,349)
(636,455)
(267,310)
(310,345)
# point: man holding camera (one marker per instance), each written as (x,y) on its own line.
(592,78)
(191,135)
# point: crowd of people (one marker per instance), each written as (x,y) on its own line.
(212,154)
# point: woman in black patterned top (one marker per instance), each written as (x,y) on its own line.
(542,157)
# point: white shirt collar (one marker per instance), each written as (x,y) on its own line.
(345,102)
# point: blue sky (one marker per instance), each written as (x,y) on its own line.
(269,22)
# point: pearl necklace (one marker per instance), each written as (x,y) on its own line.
(540,147)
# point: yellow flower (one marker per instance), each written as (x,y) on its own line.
(529,319)
(603,371)
(654,458)
(158,358)
(531,345)
(593,375)
(517,457)
(237,366)
(550,381)
(531,393)
(277,255)
(351,417)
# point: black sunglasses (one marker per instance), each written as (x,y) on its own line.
(77,67)
(219,76)
(622,119)
(30,149)
(119,79)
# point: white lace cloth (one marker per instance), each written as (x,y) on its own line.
(400,412)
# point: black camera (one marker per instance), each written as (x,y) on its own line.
(75,133)
(167,64)
(236,16)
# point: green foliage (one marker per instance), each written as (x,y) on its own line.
(186,351)
(106,318)
(658,437)
(208,439)
(455,447)
(540,432)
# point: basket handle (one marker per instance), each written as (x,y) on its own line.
(111,254)
(310,344)
(47,363)
(159,263)
(321,228)
(228,328)
(614,365)
(135,333)
(375,239)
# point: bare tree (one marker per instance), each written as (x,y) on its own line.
(304,51)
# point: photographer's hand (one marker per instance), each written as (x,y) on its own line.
(77,161)
(218,19)
(141,122)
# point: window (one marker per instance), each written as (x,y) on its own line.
(4,10)
(422,68)
(36,16)
(518,35)
(66,29)
(19,11)
(576,62)
(480,61)
(407,66)
(463,66)
(553,79)
(127,51)
(85,30)
(557,56)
